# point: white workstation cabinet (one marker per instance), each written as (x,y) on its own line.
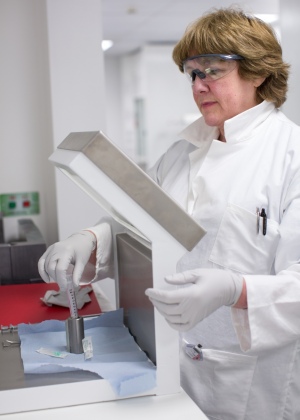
(150,234)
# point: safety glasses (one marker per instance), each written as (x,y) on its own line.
(210,66)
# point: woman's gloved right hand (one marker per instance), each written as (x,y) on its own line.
(62,257)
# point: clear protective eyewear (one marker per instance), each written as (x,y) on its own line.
(210,66)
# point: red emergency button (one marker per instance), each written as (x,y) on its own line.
(26,203)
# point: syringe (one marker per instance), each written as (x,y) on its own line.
(72,297)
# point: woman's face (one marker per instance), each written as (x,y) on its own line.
(224,98)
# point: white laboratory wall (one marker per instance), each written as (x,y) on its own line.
(77,94)
(25,111)
(113,103)
(122,86)
(290,35)
(169,103)
(156,101)
(51,79)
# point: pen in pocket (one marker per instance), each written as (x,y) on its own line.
(261,215)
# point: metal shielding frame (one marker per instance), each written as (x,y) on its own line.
(100,150)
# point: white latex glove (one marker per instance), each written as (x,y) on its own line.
(62,257)
(208,290)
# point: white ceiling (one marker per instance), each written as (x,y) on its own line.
(134,23)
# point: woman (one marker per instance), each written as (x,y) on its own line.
(236,170)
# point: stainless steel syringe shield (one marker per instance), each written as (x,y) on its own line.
(75,335)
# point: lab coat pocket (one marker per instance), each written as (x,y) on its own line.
(240,247)
(223,383)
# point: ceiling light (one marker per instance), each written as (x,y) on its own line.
(106,44)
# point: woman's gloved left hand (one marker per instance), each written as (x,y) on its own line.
(208,290)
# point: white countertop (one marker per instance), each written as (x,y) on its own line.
(175,407)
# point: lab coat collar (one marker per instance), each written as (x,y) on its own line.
(237,129)
(242,126)
(198,131)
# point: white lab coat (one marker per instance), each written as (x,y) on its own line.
(251,366)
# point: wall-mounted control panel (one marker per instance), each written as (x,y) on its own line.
(19,204)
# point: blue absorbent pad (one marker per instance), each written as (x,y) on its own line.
(116,356)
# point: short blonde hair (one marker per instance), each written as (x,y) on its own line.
(232,31)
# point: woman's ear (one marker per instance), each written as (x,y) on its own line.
(258,81)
